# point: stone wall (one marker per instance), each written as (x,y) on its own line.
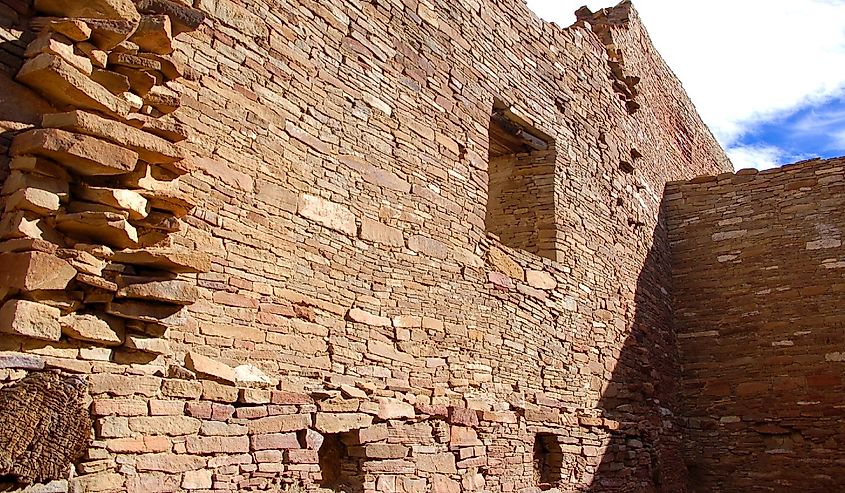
(757,262)
(354,315)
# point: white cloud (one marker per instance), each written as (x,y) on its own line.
(742,62)
(759,157)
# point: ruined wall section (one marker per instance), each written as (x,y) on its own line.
(757,261)
(339,164)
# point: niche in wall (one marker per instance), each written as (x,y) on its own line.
(341,472)
(520,193)
(548,461)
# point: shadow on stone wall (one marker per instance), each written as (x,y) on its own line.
(644,453)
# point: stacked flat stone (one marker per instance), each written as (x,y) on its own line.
(93,195)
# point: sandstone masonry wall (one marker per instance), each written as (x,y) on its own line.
(757,265)
(355,315)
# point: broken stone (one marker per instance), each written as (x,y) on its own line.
(99,9)
(81,153)
(394,409)
(173,201)
(166,128)
(502,262)
(83,261)
(163,99)
(22,224)
(34,200)
(166,259)
(204,365)
(154,34)
(183,18)
(74,29)
(43,167)
(150,148)
(18,181)
(127,200)
(59,45)
(169,68)
(173,291)
(62,83)
(167,315)
(107,331)
(116,83)
(133,61)
(31,271)
(30,319)
(99,58)
(102,227)
(140,82)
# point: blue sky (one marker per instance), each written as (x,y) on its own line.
(767,76)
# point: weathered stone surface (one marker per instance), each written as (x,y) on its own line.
(252,376)
(150,148)
(52,43)
(175,291)
(35,200)
(165,259)
(30,319)
(145,344)
(381,233)
(130,201)
(184,18)
(394,409)
(197,480)
(207,366)
(80,153)
(540,279)
(101,9)
(31,271)
(341,422)
(154,34)
(62,83)
(169,315)
(73,29)
(102,330)
(502,262)
(169,463)
(101,227)
(329,214)
(20,361)
(443,463)
(165,425)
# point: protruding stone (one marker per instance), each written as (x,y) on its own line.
(540,279)
(171,291)
(31,271)
(59,45)
(98,9)
(20,361)
(127,200)
(102,330)
(394,409)
(167,315)
(116,83)
(22,224)
(154,34)
(30,319)
(152,345)
(381,233)
(99,227)
(74,29)
(62,83)
(184,19)
(166,259)
(252,376)
(83,154)
(34,200)
(206,366)
(41,167)
(150,148)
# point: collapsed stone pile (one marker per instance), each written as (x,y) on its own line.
(93,195)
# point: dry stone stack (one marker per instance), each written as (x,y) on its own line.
(401,246)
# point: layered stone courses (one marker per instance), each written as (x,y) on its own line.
(305,291)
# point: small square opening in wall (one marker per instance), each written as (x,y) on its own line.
(520,192)
(340,471)
(548,461)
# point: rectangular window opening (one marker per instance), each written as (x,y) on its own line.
(548,461)
(520,194)
(341,472)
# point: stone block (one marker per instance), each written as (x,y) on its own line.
(31,271)
(381,233)
(279,424)
(341,422)
(218,445)
(30,319)
(169,463)
(98,9)
(329,214)
(165,259)
(204,365)
(165,425)
(394,409)
(443,463)
(274,441)
(197,480)
(127,200)
(82,154)
(107,331)
(62,83)
(171,291)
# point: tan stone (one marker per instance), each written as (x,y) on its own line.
(462,436)
(22,224)
(59,45)
(80,153)
(73,29)
(127,200)
(428,246)
(99,227)
(18,180)
(102,330)
(165,425)
(381,233)
(394,409)
(145,344)
(154,34)
(329,214)
(206,366)
(31,271)
(540,279)
(502,262)
(101,9)
(197,480)
(386,451)
(40,167)
(30,319)
(218,445)
(174,291)
(115,83)
(341,422)
(168,315)
(165,259)
(35,200)
(279,424)
(184,18)
(252,377)
(361,316)
(150,148)
(62,83)
(169,463)
(443,463)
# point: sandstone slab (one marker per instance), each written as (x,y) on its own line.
(102,330)
(102,9)
(30,319)
(80,153)
(165,259)
(154,34)
(170,291)
(207,366)
(329,214)
(128,200)
(99,227)
(31,271)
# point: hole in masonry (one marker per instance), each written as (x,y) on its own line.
(548,461)
(341,472)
